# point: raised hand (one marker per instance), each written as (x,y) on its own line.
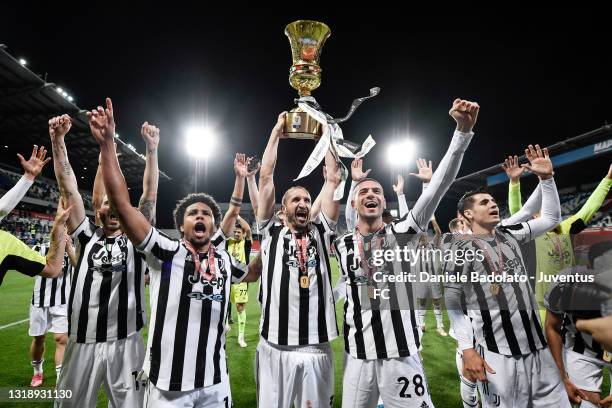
(609,172)
(240,165)
(539,162)
(425,171)
(399,187)
(35,164)
(512,168)
(62,214)
(465,114)
(277,130)
(357,173)
(150,135)
(59,126)
(102,123)
(253,172)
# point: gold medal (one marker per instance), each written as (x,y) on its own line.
(304,282)
(495,289)
(607,356)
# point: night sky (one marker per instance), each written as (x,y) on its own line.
(538,80)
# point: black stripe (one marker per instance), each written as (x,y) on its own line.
(538,328)
(487,324)
(53,292)
(163,255)
(220,330)
(283,298)
(41,292)
(64,279)
(275,231)
(122,307)
(355,303)
(322,309)
(513,343)
(105,294)
(84,309)
(524,316)
(160,317)
(73,282)
(396,315)
(182,323)
(138,279)
(201,355)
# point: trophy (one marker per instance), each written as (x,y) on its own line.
(306,38)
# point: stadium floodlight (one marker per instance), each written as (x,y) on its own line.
(23,62)
(64,94)
(201,141)
(70,98)
(59,90)
(400,153)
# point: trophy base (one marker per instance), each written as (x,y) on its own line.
(300,125)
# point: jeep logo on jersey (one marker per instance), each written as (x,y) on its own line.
(217,282)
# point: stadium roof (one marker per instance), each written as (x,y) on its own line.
(27,102)
(594,146)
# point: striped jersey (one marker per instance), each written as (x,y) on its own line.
(505,316)
(106,300)
(297,307)
(577,341)
(186,342)
(49,292)
(375,327)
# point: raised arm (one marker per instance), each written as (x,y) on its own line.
(252,185)
(133,223)
(550,213)
(465,114)
(150,181)
(57,246)
(69,189)
(526,212)
(233,212)
(514,173)
(266,175)
(577,222)
(357,174)
(333,178)
(32,168)
(97,196)
(401,197)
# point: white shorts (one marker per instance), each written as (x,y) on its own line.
(215,396)
(426,290)
(302,375)
(532,380)
(585,372)
(400,382)
(48,319)
(115,364)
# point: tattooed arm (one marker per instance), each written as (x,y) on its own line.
(148,200)
(58,128)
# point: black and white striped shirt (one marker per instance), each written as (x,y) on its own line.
(507,323)
(49,292)
(293,315)
(107,300)
(574,340)
(376,328)
(186,342)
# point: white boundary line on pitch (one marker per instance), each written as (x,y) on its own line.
(6,326)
